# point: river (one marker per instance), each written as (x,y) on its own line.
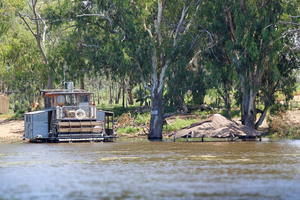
(150,170)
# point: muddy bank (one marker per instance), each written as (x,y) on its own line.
(11,131)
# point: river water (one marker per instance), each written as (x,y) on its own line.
(151,170)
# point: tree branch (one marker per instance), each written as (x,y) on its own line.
(158,22)
(184,10)
(231,25)
(28,26)
(90,45)
(146,86)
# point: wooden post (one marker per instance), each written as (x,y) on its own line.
(260,138)
(202,138)
(187,137)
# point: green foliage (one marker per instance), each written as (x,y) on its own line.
(231,114)
(7,115)
(280,128)
(277,108)
(110,39)
(129,130)
(141,119)
(117,109)
(248,48)
(179,124)
(18,115)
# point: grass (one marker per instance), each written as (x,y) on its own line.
(141,119)
(129,130)
(13,116)
(297,92)
(179,124)
(18,115)
(117,109)
(202,114)
(7,115)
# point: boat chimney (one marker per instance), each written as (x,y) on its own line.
(70,87)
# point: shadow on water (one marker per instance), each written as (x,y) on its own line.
(138,169)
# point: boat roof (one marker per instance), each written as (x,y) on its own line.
(64,92)
(39,111)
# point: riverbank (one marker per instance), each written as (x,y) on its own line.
(13,130)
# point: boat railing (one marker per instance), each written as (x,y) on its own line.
(76,112)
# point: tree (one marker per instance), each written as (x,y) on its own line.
(158,34)
(220,71)
(22,69)
(248,35)
(40,26)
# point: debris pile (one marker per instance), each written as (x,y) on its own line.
(216,126)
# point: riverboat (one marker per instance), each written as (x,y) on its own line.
(69,115)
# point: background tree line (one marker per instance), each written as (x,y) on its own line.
(172,51)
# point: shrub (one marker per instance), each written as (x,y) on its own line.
(280,128)
(142,119)
(18,115)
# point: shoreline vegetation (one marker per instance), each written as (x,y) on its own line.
(128,125)
(281,122)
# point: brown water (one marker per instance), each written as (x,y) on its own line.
(151,170)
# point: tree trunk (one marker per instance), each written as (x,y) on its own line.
(227,101)
(130,95)
(98,95)
(248,108)
(110,96)
(262,117)
(98,90)
(123,103)
(50,82)
(14,103)
(118,95)
(82,82)
(156,122)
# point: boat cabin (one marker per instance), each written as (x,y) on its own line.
(69,115)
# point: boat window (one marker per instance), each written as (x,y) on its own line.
(83,98)
(71,100)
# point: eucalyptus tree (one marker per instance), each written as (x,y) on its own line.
(158,34)
(38,27)
(21,70)
(252,40)
(148,37)
(220,73)
(8,11)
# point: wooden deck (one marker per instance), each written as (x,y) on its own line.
(81,127)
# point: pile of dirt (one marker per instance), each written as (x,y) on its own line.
(217,126)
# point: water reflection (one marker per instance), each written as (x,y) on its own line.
(151,170)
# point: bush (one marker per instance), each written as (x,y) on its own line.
(18,115)
(280,128)
(142,119)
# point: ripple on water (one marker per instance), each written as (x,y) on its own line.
(146,170)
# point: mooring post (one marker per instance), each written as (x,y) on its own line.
(260,138)
(202,138)
(187,137)
(174,140)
